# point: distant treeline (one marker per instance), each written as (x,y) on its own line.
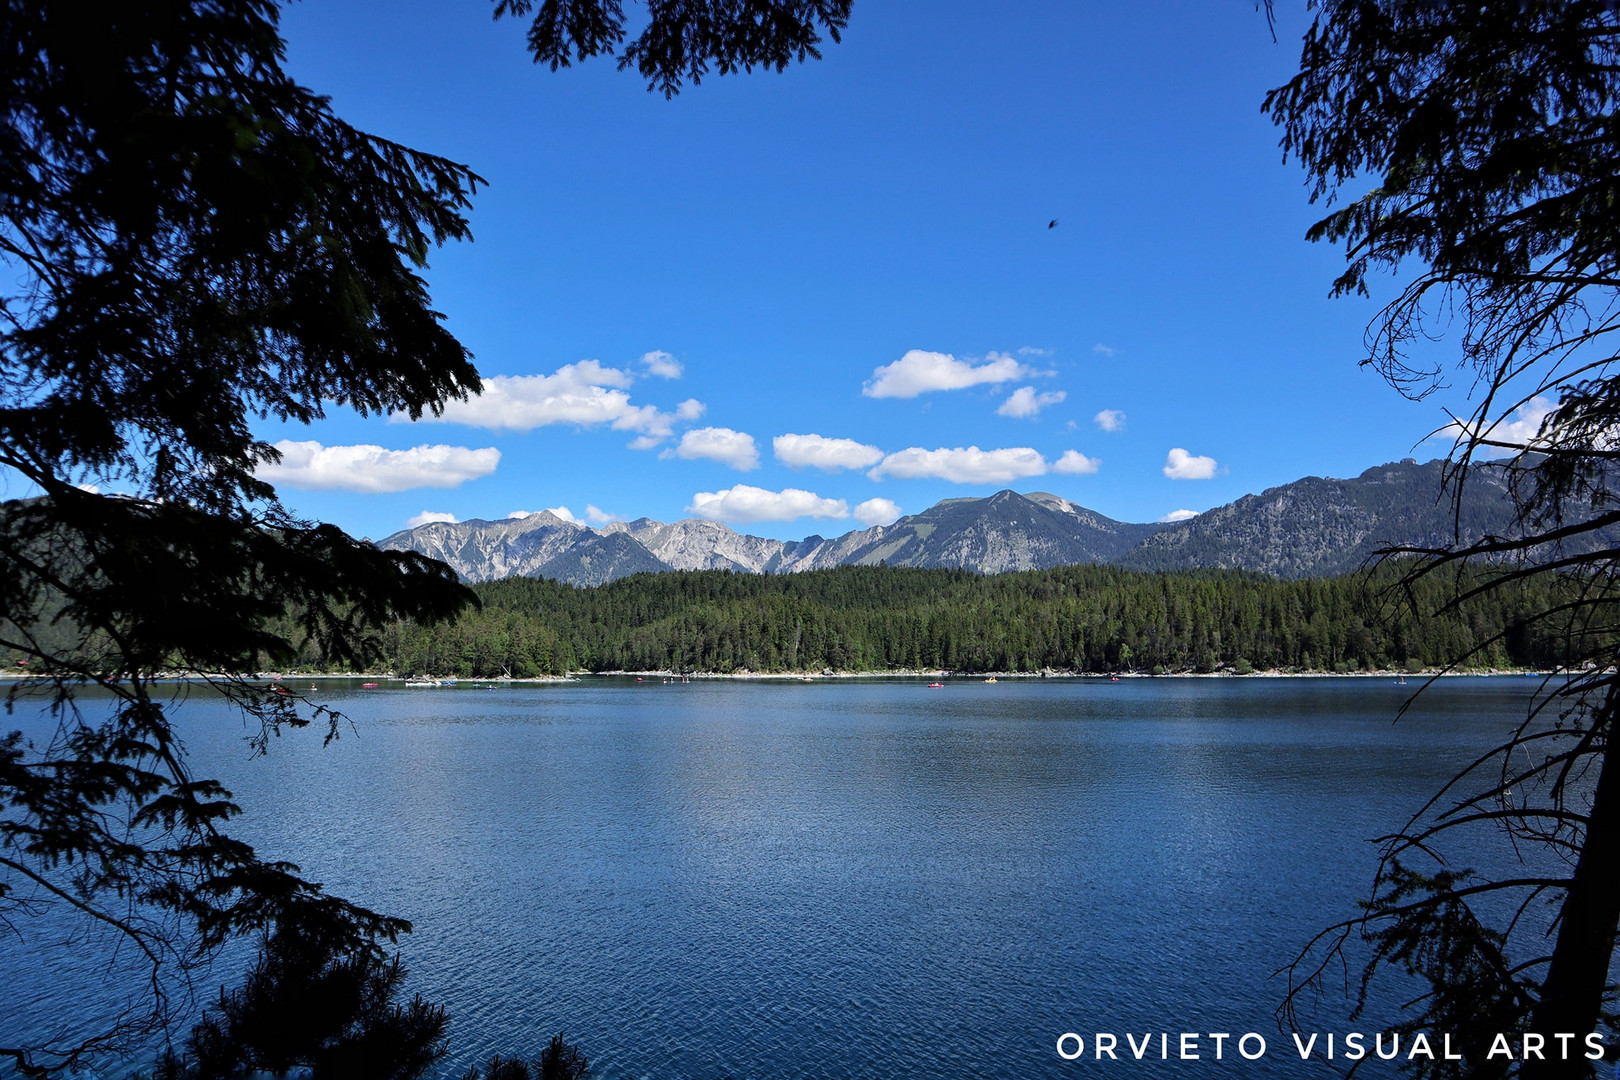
(1077,618)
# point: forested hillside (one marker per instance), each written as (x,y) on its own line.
(1078,618)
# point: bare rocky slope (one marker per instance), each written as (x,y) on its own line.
(1320,527)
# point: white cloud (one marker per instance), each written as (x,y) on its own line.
(646,419)
(428,517)
(1523,430)
(877,512)
(1179,515)
(660,363)
(919,372)
(1110,420)
(1030,350)
(690,409)
(1180,465)
(1104,350)
(1075,463)
(1025,402)
(820,452)
(584,394)
(518,515)
(734,448)
(743,503)
(962,466)
(373,470)
(597,516)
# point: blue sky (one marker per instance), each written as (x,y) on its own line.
(858,250)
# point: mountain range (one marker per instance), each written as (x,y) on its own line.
(1312,527)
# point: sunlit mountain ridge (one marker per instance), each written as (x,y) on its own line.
(1312,527)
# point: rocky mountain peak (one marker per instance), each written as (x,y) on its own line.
(1312,527)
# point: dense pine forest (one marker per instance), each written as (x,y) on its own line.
(1071,619)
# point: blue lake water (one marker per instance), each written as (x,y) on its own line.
(854,878)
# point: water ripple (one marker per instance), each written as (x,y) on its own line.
(862,879)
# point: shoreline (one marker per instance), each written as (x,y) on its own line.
(999,676)
(455,681)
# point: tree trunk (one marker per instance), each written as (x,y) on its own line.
(1572,996)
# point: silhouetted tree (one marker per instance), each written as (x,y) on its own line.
(561,1061)
(1481,147)
(308,1004)
(558,1061)
(190,241)
(680,40)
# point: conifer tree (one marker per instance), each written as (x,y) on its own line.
(1475,148)
(191,242)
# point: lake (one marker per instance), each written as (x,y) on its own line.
(852,877)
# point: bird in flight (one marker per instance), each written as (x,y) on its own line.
(1052,224)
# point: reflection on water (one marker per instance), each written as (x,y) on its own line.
(844,878)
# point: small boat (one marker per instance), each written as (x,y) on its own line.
(368,686)
(936,686)
(991,679)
